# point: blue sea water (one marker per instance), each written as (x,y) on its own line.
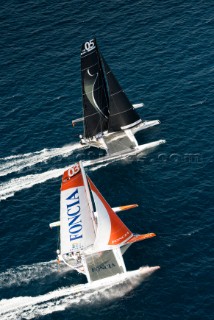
(162,53)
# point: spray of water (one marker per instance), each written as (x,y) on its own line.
(9,188)
(18,162)
(58,300)
(22,275)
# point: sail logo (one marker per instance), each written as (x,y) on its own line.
(74,216)
(89,87)
(72,171)
(89,45)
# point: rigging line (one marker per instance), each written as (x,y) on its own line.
(97,126)
(105,82)
(114,114)
(88,196)
(106,91)
(93,114)
(113,94)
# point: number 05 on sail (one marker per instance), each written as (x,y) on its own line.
(92,236)
(110,120)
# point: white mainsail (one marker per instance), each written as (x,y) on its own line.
(76,225)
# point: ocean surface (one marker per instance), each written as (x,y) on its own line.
(162,53)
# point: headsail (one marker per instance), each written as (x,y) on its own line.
(95,97)
(111,231)
(122,114)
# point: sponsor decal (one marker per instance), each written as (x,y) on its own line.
(89,85)
(88,46)
(73,170)
(122,238)
(74,216)
(103,266)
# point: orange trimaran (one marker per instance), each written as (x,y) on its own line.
(93,238)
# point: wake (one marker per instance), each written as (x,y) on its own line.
(18,162)
(58,300)
(22,275)
(9,188)
(104,164)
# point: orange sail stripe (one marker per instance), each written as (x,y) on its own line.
(119,232)
(72,178)
(141,237)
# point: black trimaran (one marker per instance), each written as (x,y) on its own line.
(110,120)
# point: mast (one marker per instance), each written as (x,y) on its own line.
(122,114)
(94,92)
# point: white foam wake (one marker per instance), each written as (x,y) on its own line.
(58,300)
(24,274)
(99,166)
(18,162)
(9,188)
(103,162)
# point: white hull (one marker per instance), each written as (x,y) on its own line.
(123,155)
(145,125)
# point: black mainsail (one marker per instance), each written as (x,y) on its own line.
(105,104)
(95,96)
(122,114)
